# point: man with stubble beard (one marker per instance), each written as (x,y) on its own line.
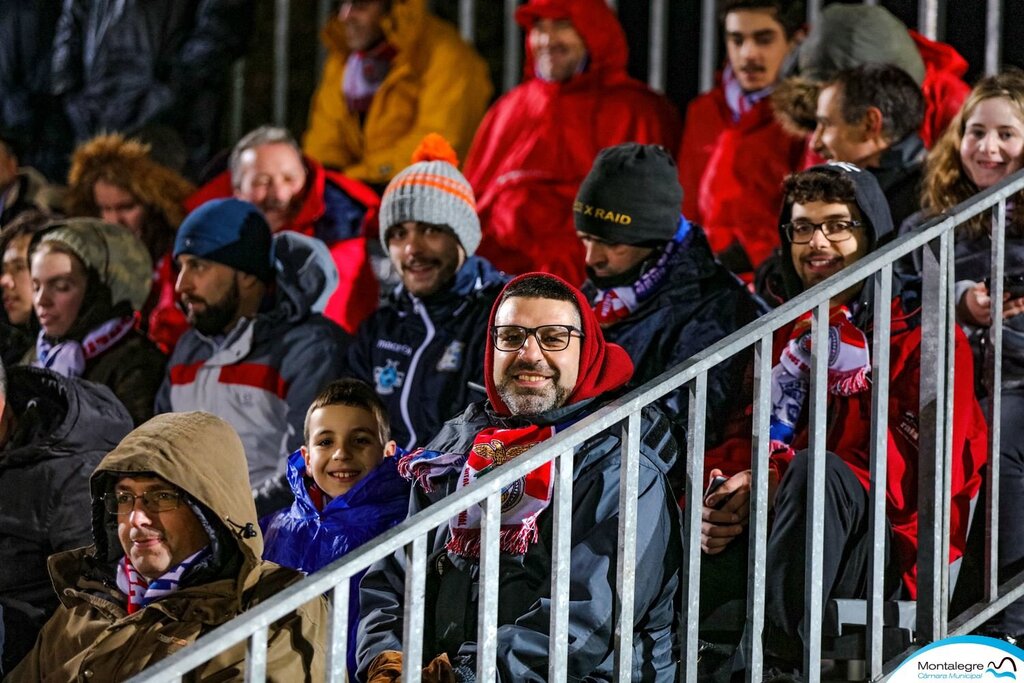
(259,349)
(423,350)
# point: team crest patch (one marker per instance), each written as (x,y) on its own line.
(452,358)
(388,378)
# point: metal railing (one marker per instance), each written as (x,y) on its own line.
(409,537)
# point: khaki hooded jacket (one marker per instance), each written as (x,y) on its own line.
(92,637)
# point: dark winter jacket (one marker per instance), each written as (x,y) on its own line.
(65,427)
(421,354)
(119,66)
(133,368)
(263,375)
(699,303)
(305,538)
(899,174)
(525,581)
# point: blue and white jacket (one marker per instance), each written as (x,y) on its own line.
(262,376)
(421,354)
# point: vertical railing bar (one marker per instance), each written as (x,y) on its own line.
(815,541)
(708,44)
(993,37)
(281,35)
(558,644)
(237,99)
(947,440)
(323,15)
(870,2)
(337,634)
(467,20)
(658,31)
(695,436)
(879,467)
(813,12)
(758,529)
(994,386)
(256,656)
(629,475)
(930,19)
(412,625)
(512,67)
(931,451)
(487,615)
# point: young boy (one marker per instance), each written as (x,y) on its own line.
(346,485)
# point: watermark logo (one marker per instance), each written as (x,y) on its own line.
(963,658)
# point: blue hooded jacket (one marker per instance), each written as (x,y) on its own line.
(307,539)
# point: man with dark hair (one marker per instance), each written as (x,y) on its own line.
(734,154)
(23,188)
(547,366)
(267,168)
(652,280)
(423,350)
(869,116)
(537,142)
(259,349)
(53,432)
(833,216)
(176,553)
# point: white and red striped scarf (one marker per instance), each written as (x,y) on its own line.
(140,592)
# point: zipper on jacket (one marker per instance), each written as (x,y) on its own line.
(421,311)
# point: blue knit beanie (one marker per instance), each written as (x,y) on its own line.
(231,232)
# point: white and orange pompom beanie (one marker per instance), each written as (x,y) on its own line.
(432,190)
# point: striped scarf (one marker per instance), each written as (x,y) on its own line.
(141,592)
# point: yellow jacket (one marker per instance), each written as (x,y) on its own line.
(437,84)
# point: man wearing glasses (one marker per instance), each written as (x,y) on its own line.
(833,216)
(547,366)
(176,552)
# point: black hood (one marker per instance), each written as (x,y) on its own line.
(870,201)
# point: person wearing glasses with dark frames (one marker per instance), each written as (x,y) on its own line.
(834,215)
(176,552)
(547,365)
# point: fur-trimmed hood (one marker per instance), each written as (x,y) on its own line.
(125,162)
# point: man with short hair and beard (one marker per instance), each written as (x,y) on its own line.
(259,349)
(423,350)
(547,366)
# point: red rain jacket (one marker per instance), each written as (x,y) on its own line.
(849,437)
(538,142)
(356,296)
(732,173)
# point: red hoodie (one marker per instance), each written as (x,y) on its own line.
(356,296)
(538,142)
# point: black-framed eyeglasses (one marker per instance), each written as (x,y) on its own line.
(123,502)
(549,337)
(834,230)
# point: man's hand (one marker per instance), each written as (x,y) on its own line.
(720,526)
(975,306)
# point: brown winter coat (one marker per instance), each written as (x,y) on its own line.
(92,638)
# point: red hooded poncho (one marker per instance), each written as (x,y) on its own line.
(603,366)
(538,142)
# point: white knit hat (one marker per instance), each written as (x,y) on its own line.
(432,191)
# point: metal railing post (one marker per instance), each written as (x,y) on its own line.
(993,37)
(708,45)
(690,580)
(658,31)
(337,633)
(561,542)
(282,31)
(629,476)
(415,598)
(467,20)
(994,385)
(512,67)
(237,99)
(487,605)
(931,18)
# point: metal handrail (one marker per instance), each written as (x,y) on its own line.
(410,535)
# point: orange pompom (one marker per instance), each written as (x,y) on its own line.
(435,148)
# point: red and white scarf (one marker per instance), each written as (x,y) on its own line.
(140,592)
(68,357)
(849,369)
(521,501)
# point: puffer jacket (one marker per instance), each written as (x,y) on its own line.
(342,213)
(119,66)
(421,354)
(732,173)
(699,303)
(29,191)
(92,637)
(264,374)
(437,84)
(525,581)
(538,142)
(64,428)
(307,539)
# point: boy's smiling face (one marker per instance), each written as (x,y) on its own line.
(344,446)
